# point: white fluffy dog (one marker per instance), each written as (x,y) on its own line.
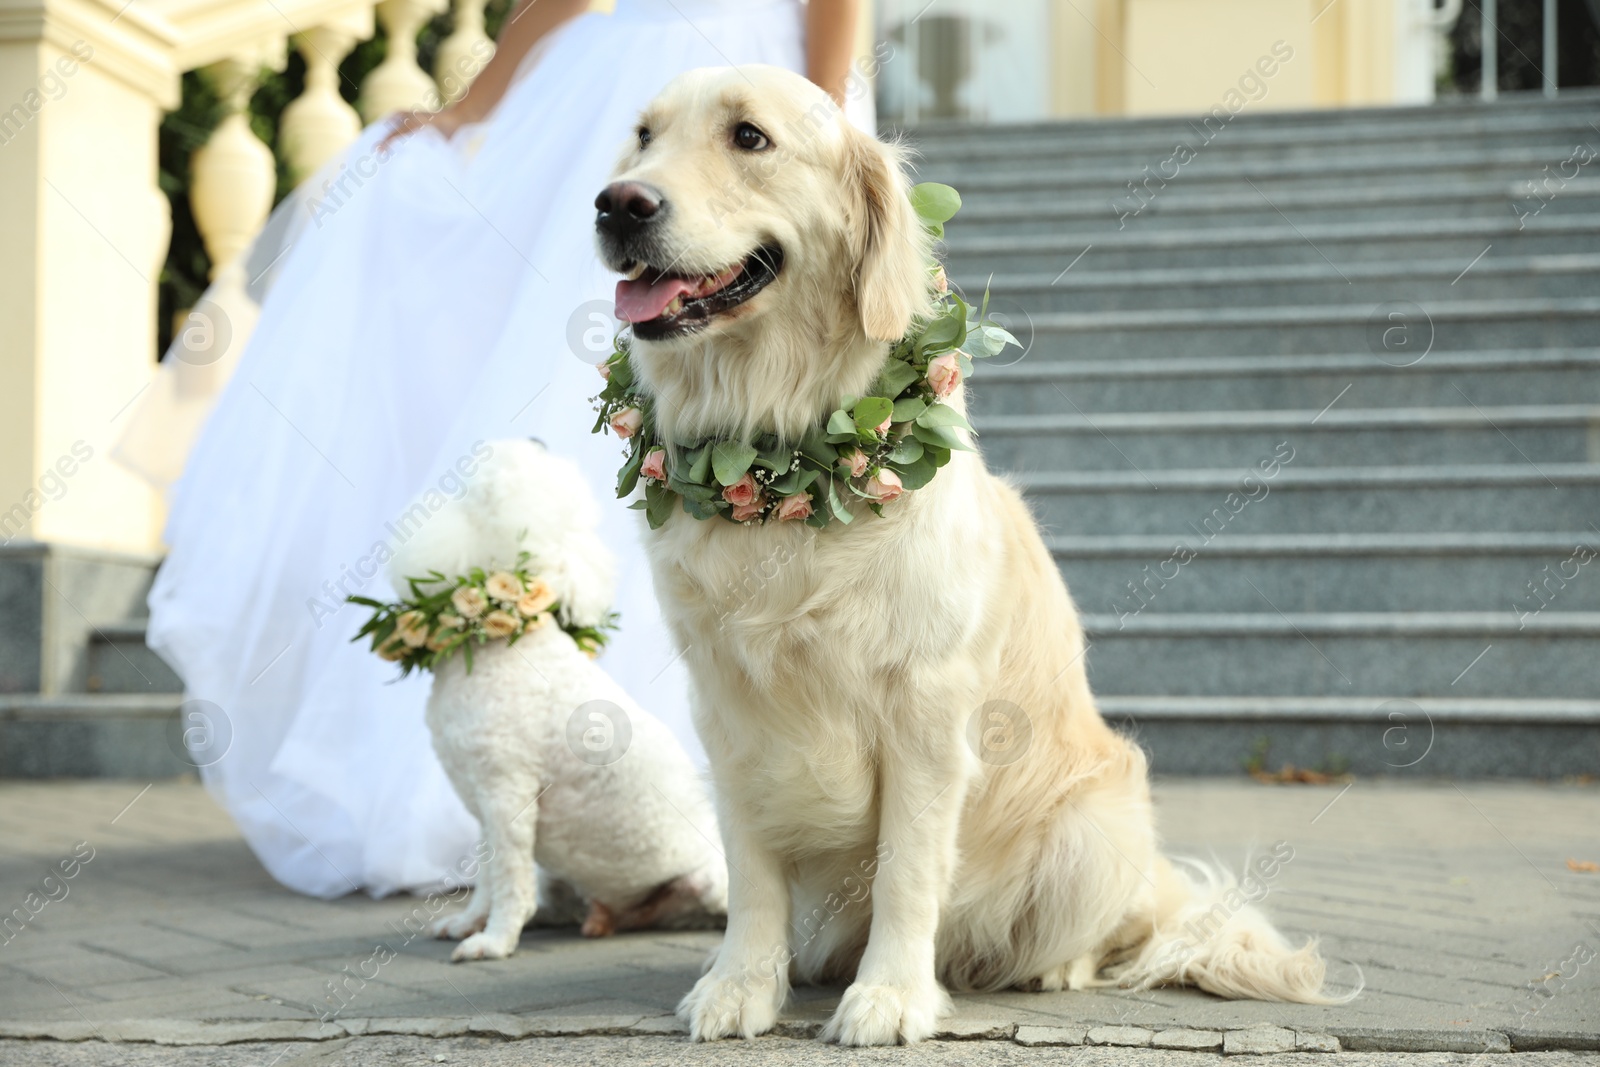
(552,756)
(770,252)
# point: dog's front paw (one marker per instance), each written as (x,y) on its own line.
(723,1006)
(886,1015)
(455,927)
(484,947)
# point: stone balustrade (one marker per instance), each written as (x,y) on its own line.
(83,88)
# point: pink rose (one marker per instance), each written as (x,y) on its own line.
(797,506)
(883,427)
(941,282)
(742,492)
(626,422)
(605,371)
(655,464)
(752,510)
(855,461)
(884,486)
(944,374)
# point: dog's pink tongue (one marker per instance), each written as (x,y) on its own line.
(641,301)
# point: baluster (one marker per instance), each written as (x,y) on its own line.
(398,84)
(463,54)
(233,173)
(232,181)
(318,124)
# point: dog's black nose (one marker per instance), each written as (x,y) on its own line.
(625,207)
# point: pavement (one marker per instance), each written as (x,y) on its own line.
(1470,912)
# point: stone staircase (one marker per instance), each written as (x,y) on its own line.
(80,694)
(1312,423)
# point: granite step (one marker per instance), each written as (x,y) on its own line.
(1266,383)
(1206,503)
(121,662)
(1400,332)
(1520,574)
(1271,653)
(1339,436)
(1360,239)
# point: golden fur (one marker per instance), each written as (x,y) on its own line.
(844,678)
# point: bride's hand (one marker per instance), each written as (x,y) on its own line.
(405,123)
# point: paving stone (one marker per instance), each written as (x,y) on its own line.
(1410,876)
(975,1030)
(570,1025)
(1376,1040)
(1184,1038)
(436,1027)
(1553,1041)
(1034,1036)
(1258,1041)
(1306,1042)
(660,1024)
(1126,1036)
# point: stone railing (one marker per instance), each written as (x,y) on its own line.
(233,175)
(83,88)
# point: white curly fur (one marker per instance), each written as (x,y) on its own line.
(633,836)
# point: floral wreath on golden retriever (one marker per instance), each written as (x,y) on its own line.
(875,447)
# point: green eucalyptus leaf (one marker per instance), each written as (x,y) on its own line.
(776,458)
(730,460)
(698,462)
(871,411)
(942,415)
(943,436)
(815,447)
(700,509)
(786,484)
(916,474)
(659,501)
(935,203)
(841,510)
(841,422)
(896,376)
(628,476)
(906,450)
(944,332)
(908,408)
(697,490)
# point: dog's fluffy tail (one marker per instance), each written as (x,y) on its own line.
(1207,932)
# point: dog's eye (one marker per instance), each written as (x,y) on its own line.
(644,137)
(749,138)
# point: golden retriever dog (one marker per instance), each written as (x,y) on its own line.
(849,694)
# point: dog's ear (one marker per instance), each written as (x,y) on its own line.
(584,579)
(889,242)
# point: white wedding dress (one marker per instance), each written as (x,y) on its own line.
(441,301)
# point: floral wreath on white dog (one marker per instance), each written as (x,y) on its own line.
(425,629)
(874,447)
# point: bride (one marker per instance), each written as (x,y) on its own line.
(430,292)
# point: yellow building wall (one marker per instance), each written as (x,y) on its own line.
(1154,57)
